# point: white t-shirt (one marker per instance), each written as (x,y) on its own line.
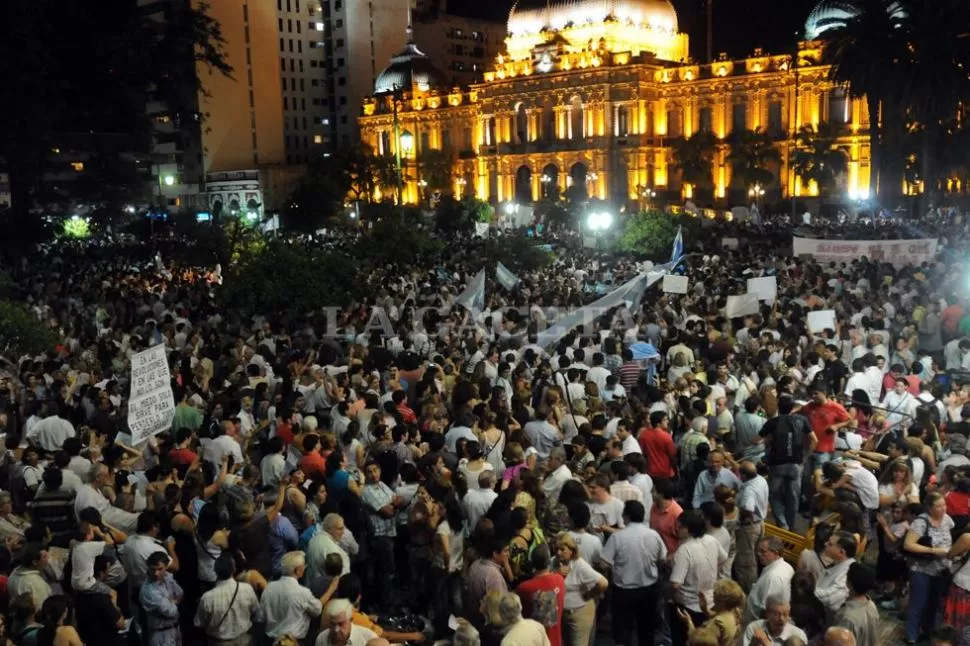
(359,636)
(581,579)
(696,565)
(526,632)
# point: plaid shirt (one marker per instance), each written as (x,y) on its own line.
(375,497)
(623,490)
(688,447)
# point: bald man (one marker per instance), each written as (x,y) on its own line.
(838,637)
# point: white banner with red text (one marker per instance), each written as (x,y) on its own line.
(896,252)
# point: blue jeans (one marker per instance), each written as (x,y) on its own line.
(925,600)
(785,483)
(815,462)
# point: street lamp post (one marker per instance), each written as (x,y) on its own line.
(756,192)
(598,222)
(545,185)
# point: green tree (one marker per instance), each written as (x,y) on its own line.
(282,277)
(319,196)
(437,169)
(752,152)
(359,165)
(694,159)
(864,48)
(816,157)
(389,241)
(21,332)
(650,234)
(518,253)
(385,170)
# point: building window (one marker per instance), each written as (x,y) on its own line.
(286,103)
(314,82)
(246,13)
(298,6)
(739,117)
(298,27)
(304,122)
(340,62)
(315,101)
(705,119)
(302,104)
(282,45)
(340,42)
(339,24)
(425,141)
(313,63)
(318,25)
(249,57)
(623,121)
(675,125)
(280,23)
(299,46)
(341,81)
(282,64)
(313,44)
(775,125)
(445,139)
(291,45)
(302,89)
(343,120)
(301,66)
(78,167)
(839,106)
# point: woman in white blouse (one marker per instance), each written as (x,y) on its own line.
(583,586)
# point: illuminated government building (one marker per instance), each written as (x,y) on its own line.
(590,93)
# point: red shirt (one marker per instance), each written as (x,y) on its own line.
(658,448)
(313,465)
(664,522)
(285,431)
(957,503)
(822,417)
(182,456)
(542,598)
(407,414)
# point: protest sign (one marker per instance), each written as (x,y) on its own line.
(742,305)
(766,288)
(675,284)
(821,320)
(896,252)
(151,406)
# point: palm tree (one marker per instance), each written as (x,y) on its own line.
(385,170)
(359,165)
(752,152)
(864,48)
(694,159)
(817,159)
(936,82)
(437,169)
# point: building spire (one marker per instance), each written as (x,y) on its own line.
(410,29)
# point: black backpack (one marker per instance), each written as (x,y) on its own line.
(787,440)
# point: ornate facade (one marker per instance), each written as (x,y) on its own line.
(590,94)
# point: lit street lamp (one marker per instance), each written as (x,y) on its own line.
(599,221)
(756,192)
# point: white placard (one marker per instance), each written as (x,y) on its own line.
(766,288)
(151,406)
(821,320)
(743,305)
(729,243)
(675,284)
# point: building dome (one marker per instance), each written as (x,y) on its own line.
(534,16)
(410,70)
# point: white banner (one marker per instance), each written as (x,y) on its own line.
(675,284)
(896,252)
(765,288)
(742,305)
(473,298)
(505,277)
(151,405)
(821,320)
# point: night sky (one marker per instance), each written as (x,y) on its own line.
(739,25)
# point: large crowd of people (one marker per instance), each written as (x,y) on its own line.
(327,481)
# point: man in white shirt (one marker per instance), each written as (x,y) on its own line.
(630,443)
(517,631)
(776,629)
(697,561)
(900,405)
(634,553)
(851,475)
(831,588)
(287,607)
(477,502)
(137,549)
(598,374)
(224,445)
(50,433)
(226,612)
(858,380)
(558,474)
(90,496)
(774,582)
(343,631)
(272,467)
(753,509)
(324,543)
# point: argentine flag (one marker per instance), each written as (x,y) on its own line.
(505,277)
(678,250)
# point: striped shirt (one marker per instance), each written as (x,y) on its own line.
(629,374)
(376,497)
(623,490)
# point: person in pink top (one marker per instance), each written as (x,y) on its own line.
(665,513)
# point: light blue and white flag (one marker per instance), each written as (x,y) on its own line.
(473,298)
(505,277)
(678,250)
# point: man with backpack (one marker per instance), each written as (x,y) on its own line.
(788,439)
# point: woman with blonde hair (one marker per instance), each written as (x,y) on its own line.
(583,586)
(724,626)
(897,484)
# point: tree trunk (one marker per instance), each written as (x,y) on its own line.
(875,146)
